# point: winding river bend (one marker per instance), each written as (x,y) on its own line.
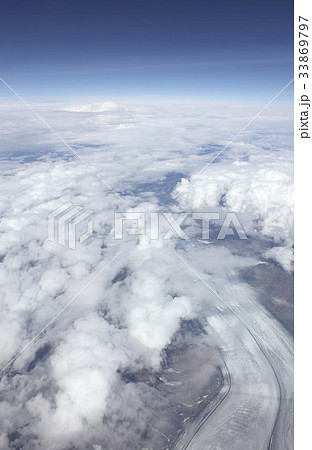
(254,409)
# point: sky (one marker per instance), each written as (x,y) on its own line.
(178,48)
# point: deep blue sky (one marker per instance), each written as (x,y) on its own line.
(208,49)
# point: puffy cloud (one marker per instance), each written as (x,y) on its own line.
(84,367)
(261,189)
(68,388)
(283,255)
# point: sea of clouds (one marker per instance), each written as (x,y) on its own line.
(66,389)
